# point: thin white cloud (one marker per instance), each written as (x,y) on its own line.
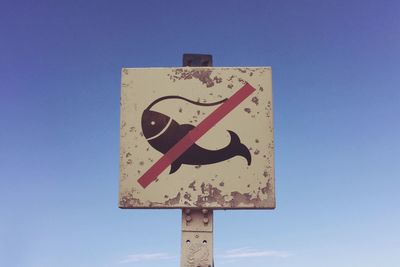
(253,253)
(147,257)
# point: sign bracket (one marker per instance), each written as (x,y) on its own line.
(197,224)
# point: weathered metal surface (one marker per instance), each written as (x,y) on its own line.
(197,238)
(226,184)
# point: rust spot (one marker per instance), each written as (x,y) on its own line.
(128,155)
(213,195)
(221,184)
(129,201)
(265,173)
(231,78)
(173,201)
(141,163)
(187,196)
(217,79)
(230,86)
(248,110)
(129,161)
(210,195)
(203,186)
(180,110)
(256,152)
(242,81)
(257,141)
(197,166)
(255,100)
(191,185)
(267,188)
(239,198)
(261,88)
(203,75)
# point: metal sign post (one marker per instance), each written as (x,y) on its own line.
(197,138)
(197,238)
(197,225)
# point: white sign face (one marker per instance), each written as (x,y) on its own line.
(197,137)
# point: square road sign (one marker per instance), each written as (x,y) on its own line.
(197,138)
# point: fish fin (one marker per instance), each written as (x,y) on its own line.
(239,148)
(175,166)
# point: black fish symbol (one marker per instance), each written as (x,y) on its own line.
(162,133)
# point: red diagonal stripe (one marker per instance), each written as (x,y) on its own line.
(190,138)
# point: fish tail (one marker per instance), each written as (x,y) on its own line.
(238,148)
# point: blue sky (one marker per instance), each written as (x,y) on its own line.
(336,101)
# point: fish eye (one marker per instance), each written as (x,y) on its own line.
(152,122)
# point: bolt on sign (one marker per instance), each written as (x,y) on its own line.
(197,137)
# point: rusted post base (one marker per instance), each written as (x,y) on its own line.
(197,238)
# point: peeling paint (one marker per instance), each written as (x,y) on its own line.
(210,194)
(203,75)
(191,185)
(187,196)
(173,201)
(255,100)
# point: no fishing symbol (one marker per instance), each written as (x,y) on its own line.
(178,141)
(196,137)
